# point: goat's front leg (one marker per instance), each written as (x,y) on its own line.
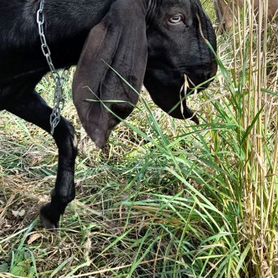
(33,108)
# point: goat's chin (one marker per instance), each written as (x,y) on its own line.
(172,103)
(184,112)
(167,92)
(192,88)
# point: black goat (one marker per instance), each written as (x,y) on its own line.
(155,42)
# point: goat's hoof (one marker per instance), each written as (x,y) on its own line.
(49,217)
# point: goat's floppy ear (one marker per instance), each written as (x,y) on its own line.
(116,48)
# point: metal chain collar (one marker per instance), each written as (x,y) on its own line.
(59,100)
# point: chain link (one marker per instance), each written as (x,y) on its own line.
(59,100)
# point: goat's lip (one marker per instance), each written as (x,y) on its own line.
(182,111)
(176,105)
(198,79)
(196,88)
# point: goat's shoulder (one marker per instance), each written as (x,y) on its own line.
(17,23)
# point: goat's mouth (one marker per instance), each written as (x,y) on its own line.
(181,110)
(199,78)
(170,89)
(194,88)
(170,94)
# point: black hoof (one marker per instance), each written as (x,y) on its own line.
(49,217)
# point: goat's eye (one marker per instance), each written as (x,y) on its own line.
(176,19)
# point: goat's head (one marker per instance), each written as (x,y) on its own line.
(155,42)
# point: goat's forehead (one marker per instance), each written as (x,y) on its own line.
(181,3)
(185,5)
